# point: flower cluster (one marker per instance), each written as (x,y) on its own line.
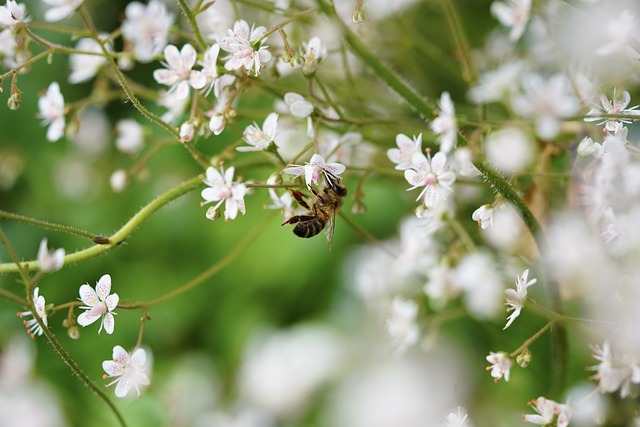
(221,188)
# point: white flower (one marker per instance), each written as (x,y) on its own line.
(547,101)
(515,298)
(246,48)
(476,276)
(32,325)
(130,370)
(315,168)
(298,106)
(13,13)
(618,106)
(259,139)
(118,180)
(549,411)
(509,149)
(484,216)
(498,84)
(401,324)
(434,175)
(85,67)
(614,374)
(210,68)
(174,104)
(514,15)
(314,53)
(403,155)
(98,303)
(217,123)
(147,28)
(187,131)
(589,148)
(445,124)
(50,261)
(458,419)
(222,189)
(51,107)
(500,366)
(178,74)
(129,137)
(284,202)
(60,9)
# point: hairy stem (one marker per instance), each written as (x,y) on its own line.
(47,225)
(119,236)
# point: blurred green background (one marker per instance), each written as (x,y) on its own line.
(279,280)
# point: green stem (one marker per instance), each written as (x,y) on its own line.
(384,73)
(559,335)
(11,297)
(47,225)
(534,337)
(27,63)
(460,39)
(75,369)
(119,236)
(193,24)
(86,18)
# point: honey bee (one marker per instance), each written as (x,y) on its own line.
(321,209)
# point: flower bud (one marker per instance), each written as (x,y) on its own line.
(118,180)
(15,100)
(187,130)
(524,358)
(74,332)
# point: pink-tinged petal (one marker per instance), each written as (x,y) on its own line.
(172,56)
(88,295)
(231,209)
(419,161)
(335,168)
(98,310)
(606,104)
(447,179)
(85,319)
(182,90)
(138,358)
(431,196)
(310,175)
(317,160)
(124,386)
(241,29)
(405,143)
(112,301)
(210,195)
(165,77)
(108,322)
(257,33)
(188,55)
(103,287)
(213,177)
(413,177)
(120,355)
(295,170)
(270,125)
(438,162)
(394,155)
(197,79)
(620,104)
(264,55)
(112,368)
(228,175)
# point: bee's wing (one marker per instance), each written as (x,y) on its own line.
(331,223)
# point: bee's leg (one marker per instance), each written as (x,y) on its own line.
(298,218)
(302,218)
(299,196)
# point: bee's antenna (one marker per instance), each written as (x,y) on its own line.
(331,178)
